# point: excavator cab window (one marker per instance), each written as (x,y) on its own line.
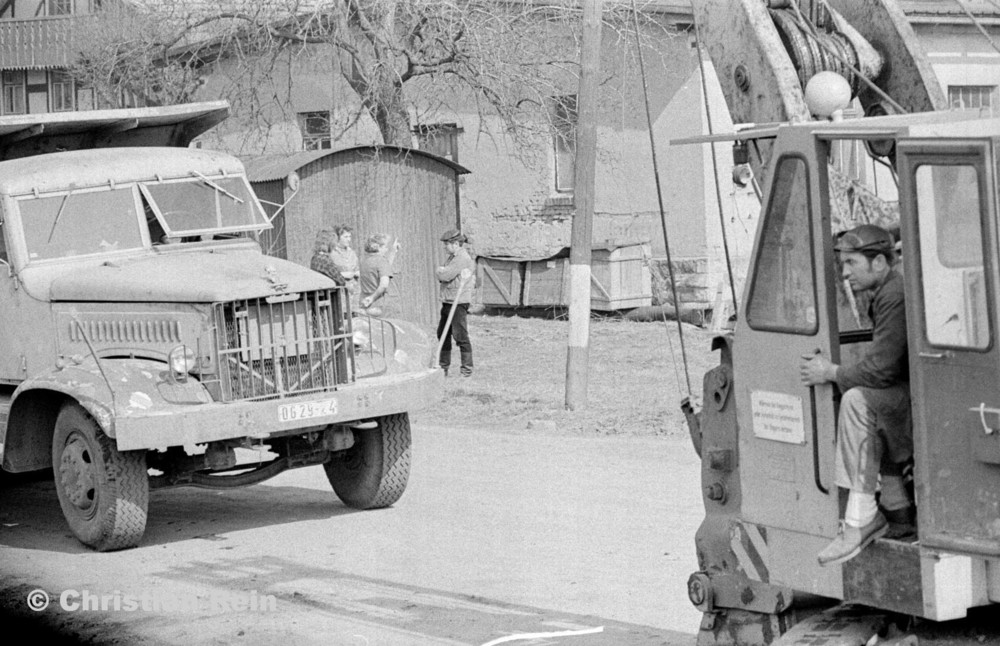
(951,256)
(783,293)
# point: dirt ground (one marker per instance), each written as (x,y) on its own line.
(636,377)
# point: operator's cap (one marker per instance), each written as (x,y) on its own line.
(866,237)
(452,235)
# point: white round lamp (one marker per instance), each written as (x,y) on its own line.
(827,94)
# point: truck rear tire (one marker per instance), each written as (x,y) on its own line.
(103,492)
(373,473)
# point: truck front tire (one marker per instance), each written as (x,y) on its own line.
(103,492)
(373,473)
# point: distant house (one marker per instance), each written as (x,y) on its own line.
(517,205)
(39,41)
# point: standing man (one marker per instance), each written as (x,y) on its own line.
(873,430)
(455,277)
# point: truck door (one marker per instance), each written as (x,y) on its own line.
(948,204)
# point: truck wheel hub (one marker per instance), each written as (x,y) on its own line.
(76,474)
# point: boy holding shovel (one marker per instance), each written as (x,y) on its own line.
(456,278)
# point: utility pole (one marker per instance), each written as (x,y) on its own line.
(578,349)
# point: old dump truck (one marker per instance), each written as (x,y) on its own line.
(765,440)
(148,342)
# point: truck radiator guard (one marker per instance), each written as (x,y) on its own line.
(283,345)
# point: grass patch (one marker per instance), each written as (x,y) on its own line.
(635,377)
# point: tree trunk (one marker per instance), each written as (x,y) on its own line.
(390,114)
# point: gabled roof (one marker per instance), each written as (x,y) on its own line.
(273,167)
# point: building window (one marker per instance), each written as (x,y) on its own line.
(439,139)
(60,7)
(85,99)
(61,90)
(315,127)
(563,112)
(14,92)
(973,97)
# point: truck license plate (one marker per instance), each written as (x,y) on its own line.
(306,410)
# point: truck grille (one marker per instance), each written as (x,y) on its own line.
(126,328)
(283,345)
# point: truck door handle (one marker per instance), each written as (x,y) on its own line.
(982,410)
(934,355)
(815,442)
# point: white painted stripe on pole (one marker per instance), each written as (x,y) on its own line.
(579,305)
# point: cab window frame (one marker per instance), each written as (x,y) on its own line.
(801,173)
(981,166)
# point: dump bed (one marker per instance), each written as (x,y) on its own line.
(175,125)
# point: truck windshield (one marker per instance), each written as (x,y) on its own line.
(78,223)
(202,205)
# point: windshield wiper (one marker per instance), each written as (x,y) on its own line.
(236,199)
(62,207)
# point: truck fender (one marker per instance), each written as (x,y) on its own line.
(137,386)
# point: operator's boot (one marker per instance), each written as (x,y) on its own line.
(467,364)
(445,361)
(896,501)
(902,523)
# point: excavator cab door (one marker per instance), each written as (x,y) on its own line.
(787,429)
(948,197)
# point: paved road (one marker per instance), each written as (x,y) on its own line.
(498,534)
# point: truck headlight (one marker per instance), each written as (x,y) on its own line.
(182,361)
(361,336)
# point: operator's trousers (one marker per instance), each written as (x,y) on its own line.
(874,431)
(459,330)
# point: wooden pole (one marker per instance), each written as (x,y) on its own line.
(578,349)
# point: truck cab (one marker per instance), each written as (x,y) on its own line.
(767,441)
(148,341)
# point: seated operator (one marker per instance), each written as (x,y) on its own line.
(873,429)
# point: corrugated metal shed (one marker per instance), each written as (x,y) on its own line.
(402,192)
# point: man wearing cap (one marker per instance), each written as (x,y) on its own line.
(455,277)
(873,430)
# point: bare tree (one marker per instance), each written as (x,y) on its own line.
(504,59)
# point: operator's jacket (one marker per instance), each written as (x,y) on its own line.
(450,276)
(885,362)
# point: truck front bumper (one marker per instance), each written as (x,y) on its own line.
(184,425)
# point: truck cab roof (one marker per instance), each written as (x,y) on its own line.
(103,166)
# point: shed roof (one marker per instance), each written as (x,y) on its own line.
(272,167)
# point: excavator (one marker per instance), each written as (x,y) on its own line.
(843,123)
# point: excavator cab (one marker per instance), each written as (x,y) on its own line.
(767,441)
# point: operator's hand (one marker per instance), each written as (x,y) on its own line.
(366,302)
(466,274)
(816,369)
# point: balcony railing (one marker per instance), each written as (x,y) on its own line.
(41,43)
